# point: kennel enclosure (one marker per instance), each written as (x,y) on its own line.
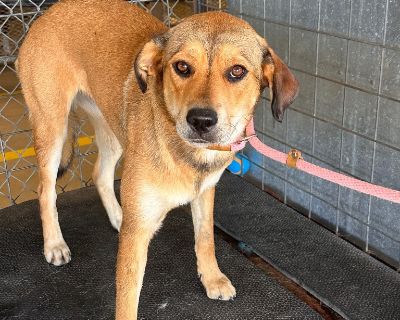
(346,56)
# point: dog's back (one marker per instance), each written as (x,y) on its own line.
(76,40)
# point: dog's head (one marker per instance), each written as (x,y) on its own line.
(211,69)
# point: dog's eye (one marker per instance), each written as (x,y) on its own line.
(237,73)
(182,69)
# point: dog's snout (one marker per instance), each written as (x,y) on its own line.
(202,120)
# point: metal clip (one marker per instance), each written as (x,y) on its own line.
(248,137)
(292,158)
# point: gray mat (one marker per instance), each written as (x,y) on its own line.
(343,277)
(84,289)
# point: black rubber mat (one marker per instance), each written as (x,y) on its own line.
(343,277)
(84,289)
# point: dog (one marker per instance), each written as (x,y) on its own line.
(159,97)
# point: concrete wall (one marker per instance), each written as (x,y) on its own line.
(346,55)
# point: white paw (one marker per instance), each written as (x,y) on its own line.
(219,287)
(57,254)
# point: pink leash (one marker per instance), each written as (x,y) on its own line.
(294,160)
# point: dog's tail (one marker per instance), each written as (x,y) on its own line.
(68,151)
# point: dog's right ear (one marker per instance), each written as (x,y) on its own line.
(148,61)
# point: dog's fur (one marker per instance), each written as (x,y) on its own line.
(117,63)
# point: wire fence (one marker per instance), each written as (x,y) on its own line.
(210,5)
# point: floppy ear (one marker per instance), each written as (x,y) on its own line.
(148,62)
(281,82)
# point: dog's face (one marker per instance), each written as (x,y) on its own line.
(211,69)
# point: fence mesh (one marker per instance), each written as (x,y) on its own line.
(210,5)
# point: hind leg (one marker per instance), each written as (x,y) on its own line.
(50,80)
(103,177)
(49,135)
(110,152)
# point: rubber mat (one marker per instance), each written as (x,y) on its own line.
(349,281)
(84,289)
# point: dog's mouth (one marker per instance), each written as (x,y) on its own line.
(199,143)
(205,140)
(196,140)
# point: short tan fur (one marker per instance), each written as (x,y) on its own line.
(123,67)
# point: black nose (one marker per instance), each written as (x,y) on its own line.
(202,120)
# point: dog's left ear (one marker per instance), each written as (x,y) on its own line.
(281,82)
(148,62)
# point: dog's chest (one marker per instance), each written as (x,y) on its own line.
(209,181)
(188,191)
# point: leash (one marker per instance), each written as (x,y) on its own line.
(294,160)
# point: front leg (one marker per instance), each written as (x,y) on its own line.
(131,263)
(217,285)
(140,222)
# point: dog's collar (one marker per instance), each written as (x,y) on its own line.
(238,145)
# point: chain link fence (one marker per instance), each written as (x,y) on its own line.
(210,5)
(18,172)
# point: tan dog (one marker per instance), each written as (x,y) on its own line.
(160,97)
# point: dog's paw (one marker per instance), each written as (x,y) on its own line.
(219,287)
(57,254)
